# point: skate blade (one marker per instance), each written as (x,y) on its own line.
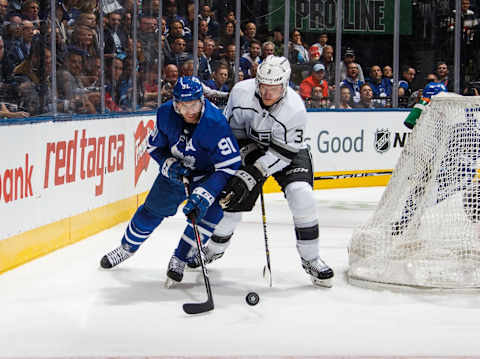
(170,283)
(324,283)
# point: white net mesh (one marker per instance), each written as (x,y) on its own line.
(425,232)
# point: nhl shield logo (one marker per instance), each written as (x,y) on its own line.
(382,140)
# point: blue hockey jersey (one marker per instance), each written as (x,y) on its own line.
(208,148)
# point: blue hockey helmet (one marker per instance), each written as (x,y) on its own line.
(188,88)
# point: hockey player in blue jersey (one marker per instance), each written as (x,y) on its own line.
(433,87)
(191,138)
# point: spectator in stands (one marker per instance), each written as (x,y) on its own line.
(170,77)
(442,73)
(151,7)
(178,55)
(127,21)
(317,100)
(148,37)
(115,36)
(116,89)
(250,59)
(228,34)
(3,10)
(202,29)
(327,60)
(207,15)
(298,53)
(277,39)
(314,54)
(61,47)
(187,68)
(353,82)
(32,82)
(177,31)
(229,60)
(190,18)
(19,52)
(7,109)
(322,42)
(205,67)
(220,77)
(268,48)
(13,32)
(230,17)
(469,36)
(316,79)
(30,11)
(345,98)
(405,88)
(388,73)
(366,96)
(349,57)
(150,86)
(83,38)
(381,87)
(171,13)
(70,86)
(249,34)
(71,11)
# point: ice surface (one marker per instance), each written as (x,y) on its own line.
(63,305)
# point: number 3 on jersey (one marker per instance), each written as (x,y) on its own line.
(226,146)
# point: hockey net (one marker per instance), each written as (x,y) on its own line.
(425,231)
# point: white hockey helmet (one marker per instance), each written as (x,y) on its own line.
(274,70)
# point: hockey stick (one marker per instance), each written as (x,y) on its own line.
(197,308)
(267,251)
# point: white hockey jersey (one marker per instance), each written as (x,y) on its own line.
(279,129)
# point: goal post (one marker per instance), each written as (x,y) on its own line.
(425,231)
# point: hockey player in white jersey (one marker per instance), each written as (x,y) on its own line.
(268,119)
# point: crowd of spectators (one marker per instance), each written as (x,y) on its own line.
(26,58)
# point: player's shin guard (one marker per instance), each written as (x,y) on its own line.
(302,205)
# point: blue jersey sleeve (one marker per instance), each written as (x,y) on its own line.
(157,145)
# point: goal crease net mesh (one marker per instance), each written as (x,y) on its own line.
(425,230)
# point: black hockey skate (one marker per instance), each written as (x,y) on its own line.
(320,273)
(175,271)
(115,257)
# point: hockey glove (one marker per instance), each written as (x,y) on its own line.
(198,203)
(174,170)
(240,185)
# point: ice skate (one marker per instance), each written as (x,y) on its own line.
(115,257)
(174,272)
(320,273)
(209,256)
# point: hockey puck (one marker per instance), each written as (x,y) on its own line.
(252,298)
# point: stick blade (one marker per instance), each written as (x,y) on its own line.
(197,308)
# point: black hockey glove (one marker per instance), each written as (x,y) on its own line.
(240,185)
